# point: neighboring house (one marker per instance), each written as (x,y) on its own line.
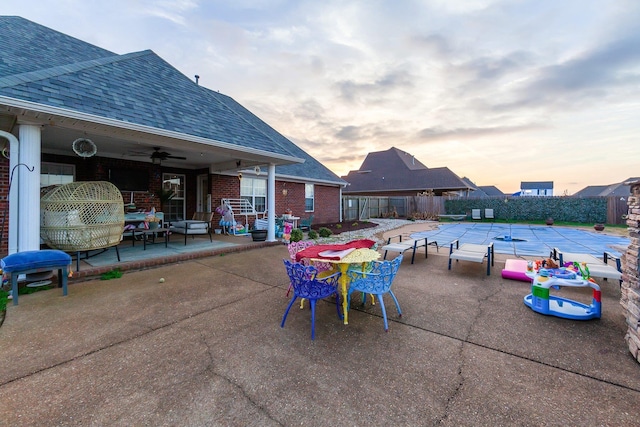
(612,190)
(146,120)
(397,173)
(536,188)
(482,190)
(491,191)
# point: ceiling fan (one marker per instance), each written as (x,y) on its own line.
(158,156)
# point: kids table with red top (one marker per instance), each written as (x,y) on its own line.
(343,256)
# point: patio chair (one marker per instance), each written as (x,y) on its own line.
(294,248)
(475,214)
(305,223)
(306,284)
(471,252)
(406,245)
(199,224)
(599,268)
(376,280)
(488,213)
(82,216)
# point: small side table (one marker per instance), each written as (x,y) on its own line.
(146,233)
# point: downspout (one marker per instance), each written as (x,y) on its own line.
(12,197)
(341,200)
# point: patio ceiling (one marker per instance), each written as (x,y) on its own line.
(122,140)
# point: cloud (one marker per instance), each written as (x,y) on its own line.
(607,72)
(352,91)
(437,134)
(349,133)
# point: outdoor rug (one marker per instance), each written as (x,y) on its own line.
(527,240)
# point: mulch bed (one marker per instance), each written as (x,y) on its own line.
(345,226)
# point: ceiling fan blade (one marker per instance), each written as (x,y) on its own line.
(176,157)
(136,153)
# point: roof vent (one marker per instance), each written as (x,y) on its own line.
(197,78)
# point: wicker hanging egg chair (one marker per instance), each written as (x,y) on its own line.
(82,216)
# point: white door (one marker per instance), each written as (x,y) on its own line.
(203,200)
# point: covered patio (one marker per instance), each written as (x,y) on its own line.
(133,255)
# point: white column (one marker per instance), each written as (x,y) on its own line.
(27,183)
(271,203)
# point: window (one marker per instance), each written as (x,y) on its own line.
(255,191)
(56,174)
(308,198)
(174,209)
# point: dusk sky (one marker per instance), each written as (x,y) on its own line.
(498,91)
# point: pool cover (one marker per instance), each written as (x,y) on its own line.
(529,240)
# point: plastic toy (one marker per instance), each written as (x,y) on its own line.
(227,222)
(516,269)
(286,234)
(540,301)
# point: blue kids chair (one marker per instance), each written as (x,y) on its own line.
(307,285)
(376,280)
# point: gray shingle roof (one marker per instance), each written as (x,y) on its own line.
(536,185)
(591,191)
(53,69)
(491,190)
(23,42)
(396,170)
(618,190)
(310,167)
(482,190)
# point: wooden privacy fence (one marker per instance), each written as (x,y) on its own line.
(617,210)
(363,208)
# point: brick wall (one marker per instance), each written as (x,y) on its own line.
(327,199)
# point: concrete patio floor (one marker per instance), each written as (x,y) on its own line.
(206,348)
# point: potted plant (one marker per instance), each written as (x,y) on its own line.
(598,227)
(164,196)
(258,235)
(549,221)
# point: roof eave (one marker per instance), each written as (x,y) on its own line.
(134,127)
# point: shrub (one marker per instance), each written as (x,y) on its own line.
(325,232)
(296,235)
(312,234)
(338,226)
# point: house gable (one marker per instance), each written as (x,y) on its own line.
(396,171)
